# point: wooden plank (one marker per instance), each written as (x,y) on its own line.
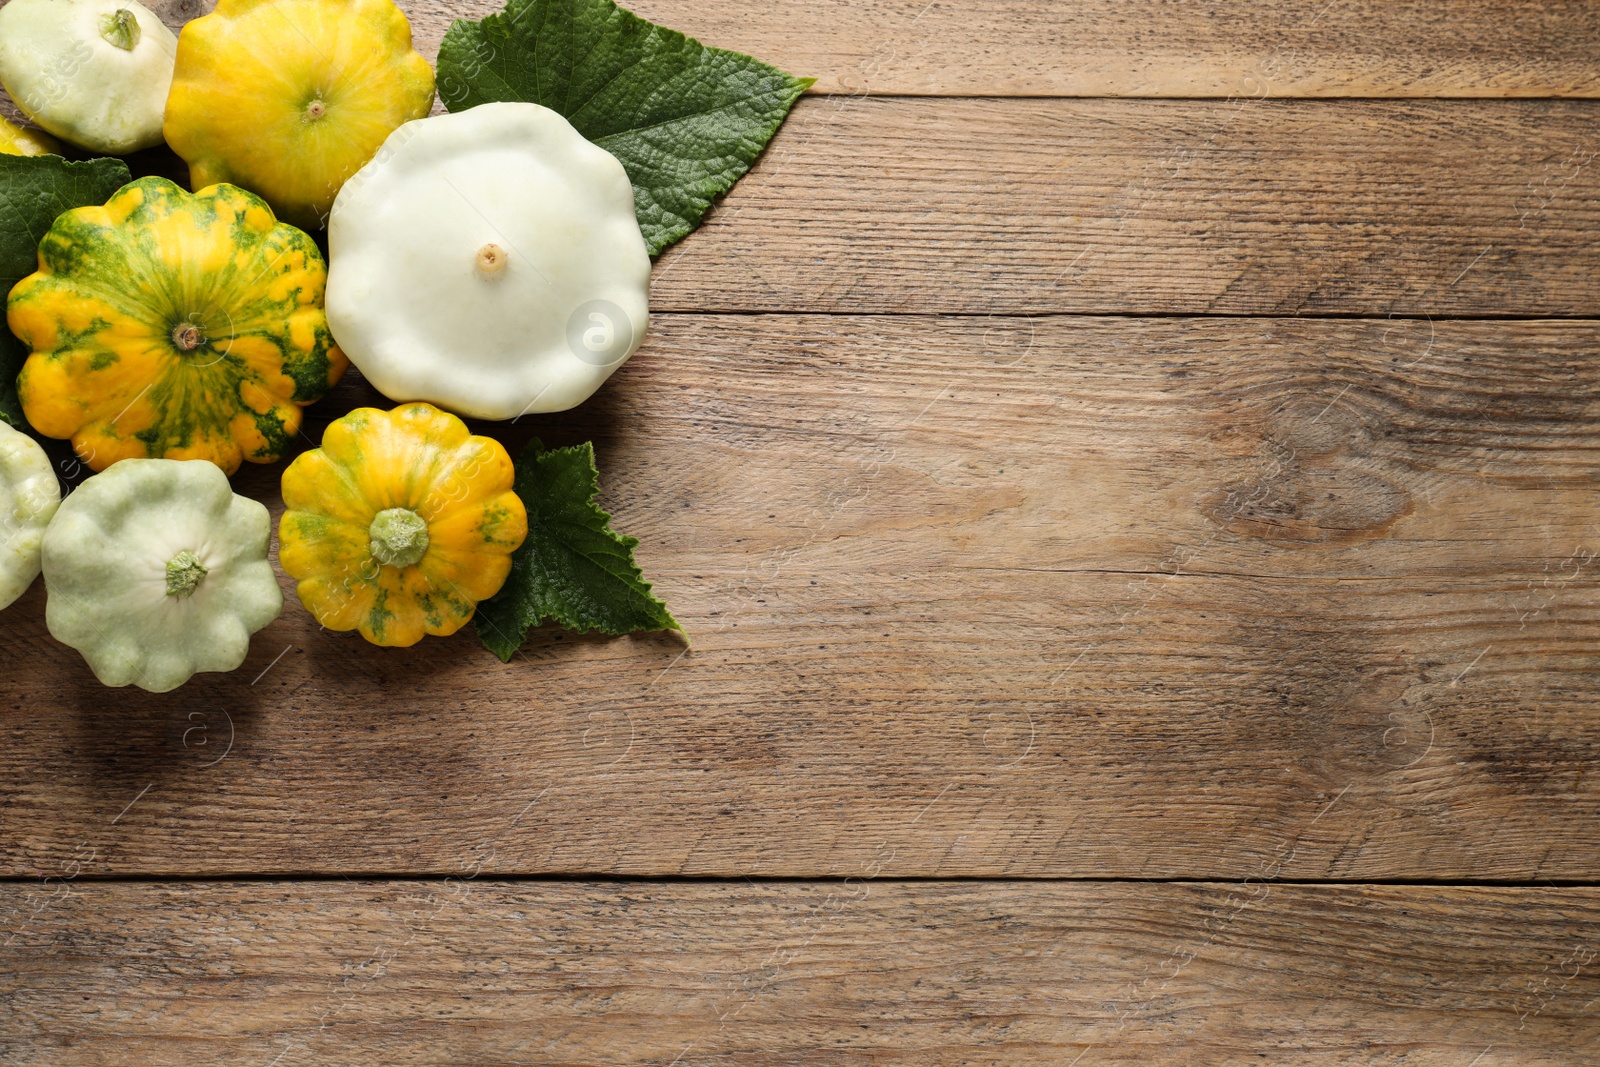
(1137,207)
(969,597)
(1143,48)
(1154,48)
(918,975)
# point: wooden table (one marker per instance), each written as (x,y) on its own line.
(1128,470)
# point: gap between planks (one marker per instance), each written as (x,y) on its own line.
(512,879)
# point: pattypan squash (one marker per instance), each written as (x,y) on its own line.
(288,98)
(93,72)
(174,325)
(490,262)
(29,494)
(399,524)
(156,571)
(23,141)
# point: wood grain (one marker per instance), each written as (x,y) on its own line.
(969,597)
(1144,48)
(1139,207)
(865,972)
(992,590)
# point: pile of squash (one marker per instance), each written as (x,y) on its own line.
(486,264)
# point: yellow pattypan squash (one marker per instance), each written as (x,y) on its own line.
(26,141)
(174,325)
(289,98)
(399,524)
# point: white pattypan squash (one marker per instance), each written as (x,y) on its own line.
(489,262)
(93,72)
(29,495)
(156,571)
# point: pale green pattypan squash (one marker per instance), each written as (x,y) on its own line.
(29,494)
(156,571)
(489,262)
(93,72)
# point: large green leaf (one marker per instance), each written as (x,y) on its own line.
(33,191)
(573,568)
(686,121)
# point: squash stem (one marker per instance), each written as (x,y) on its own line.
(491,259)
(399,537)
(120,29)
(185,572)
(187,336)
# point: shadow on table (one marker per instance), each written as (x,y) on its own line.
(128,733)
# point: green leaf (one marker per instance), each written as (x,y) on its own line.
(686,121)
(33,191)
(573,568)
